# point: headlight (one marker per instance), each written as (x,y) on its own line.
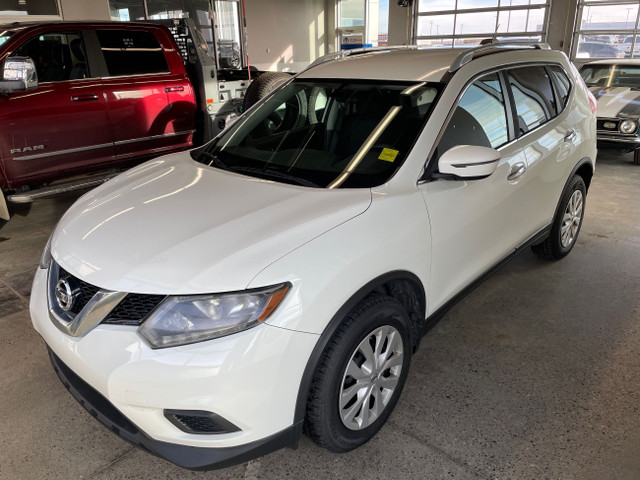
(45,260)
(188,319)
(628,126)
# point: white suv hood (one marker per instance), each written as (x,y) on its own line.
(174,226)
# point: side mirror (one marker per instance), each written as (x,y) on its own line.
(18,74)
(469,161)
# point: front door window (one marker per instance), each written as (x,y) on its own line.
(58,56)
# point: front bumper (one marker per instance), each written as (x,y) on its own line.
(251,379)
(630,142)
(612,138)
(194,458)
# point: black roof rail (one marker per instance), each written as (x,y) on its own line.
(468,55)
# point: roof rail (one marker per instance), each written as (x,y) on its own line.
(359,51)
(468,55)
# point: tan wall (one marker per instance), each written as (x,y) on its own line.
(285,35)
(400,24)
(85,9)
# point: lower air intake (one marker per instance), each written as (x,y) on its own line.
(199,422)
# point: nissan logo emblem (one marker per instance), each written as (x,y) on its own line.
(64,294)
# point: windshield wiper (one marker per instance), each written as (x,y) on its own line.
(269,172)
(265,172)
(214,161)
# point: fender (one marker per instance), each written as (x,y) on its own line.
(305,383)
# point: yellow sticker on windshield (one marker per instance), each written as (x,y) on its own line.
(388,155)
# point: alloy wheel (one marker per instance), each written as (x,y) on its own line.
(571,219)
(371,377)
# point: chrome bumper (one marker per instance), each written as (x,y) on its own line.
(609,137)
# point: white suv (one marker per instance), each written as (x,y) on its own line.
(207,305)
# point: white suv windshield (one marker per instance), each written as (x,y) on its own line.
(328,134)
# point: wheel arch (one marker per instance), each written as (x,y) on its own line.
(401,285)
(584,168)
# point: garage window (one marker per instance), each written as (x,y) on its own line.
(131,52)
(606,29)
(465,23)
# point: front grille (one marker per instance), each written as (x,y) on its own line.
(87,291)
(134,309)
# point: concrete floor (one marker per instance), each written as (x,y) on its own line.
(534,375)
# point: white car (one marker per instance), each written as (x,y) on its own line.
(207,305)
(616,86)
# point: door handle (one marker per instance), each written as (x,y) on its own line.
(516,171)
(570,136)
(84,98)
(173,89)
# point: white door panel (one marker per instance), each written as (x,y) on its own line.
(474,224)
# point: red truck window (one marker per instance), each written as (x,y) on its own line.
(132,52)
(58,56)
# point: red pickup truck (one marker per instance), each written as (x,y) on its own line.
(87,99)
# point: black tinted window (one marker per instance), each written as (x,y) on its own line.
(131,52)
(533,96)
(58,56)
(563,85)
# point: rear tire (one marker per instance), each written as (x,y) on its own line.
(360,375)
(636,157)
(566,224)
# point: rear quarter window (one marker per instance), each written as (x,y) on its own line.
(132,52)
(563,85)
(533,96)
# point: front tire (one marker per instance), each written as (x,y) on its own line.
(566,224)
(360,375)
(636,157)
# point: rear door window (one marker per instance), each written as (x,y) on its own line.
(533,97)
(131,52)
